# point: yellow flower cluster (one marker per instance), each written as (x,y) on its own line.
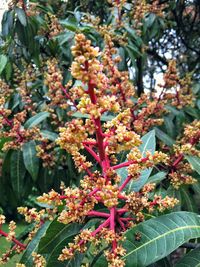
(38,260)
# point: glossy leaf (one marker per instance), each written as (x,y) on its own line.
(159,237)
(166,139)
(31,161)
(158,177)
(21,16)
(49,135)
(148,143)
(17,172)
(33,246)
(36,119)
(3,62)
(195,162)
(58,235)
(188,202)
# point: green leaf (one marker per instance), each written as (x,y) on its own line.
(158,177)
(159,237)
(17,172)
(33,245)
(36,119)
(8,70)
(187,200)
(49,135)
(195,162)
(70,25)
(58,235)
(150,19)
(192,112)
(3,62)
(164,137)
(136,185)
(31,161)
(191,259)
(169,125)
(148,144)
(86,116)
(21,16)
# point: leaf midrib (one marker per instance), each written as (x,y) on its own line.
(160,236)
(46,244)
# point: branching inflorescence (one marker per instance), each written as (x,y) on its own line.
(102,186)
(102,192)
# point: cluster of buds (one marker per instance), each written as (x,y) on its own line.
(182,95)
(103,186)
(17,133)
(141,8)
(53,25)
(180,169)
(147,113)
(23,82)
(99,93)
(53,79)
(46,152)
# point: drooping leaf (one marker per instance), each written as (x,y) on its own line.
(58,235)
(169,125)
(188,202)
(36,119)
(33,246)
(3,62)
(158,177)
(195,162)
(166,139)
(159,237)
(17,172)
(21,16)
(191,259)
(31,161)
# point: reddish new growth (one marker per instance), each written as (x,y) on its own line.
(103,143)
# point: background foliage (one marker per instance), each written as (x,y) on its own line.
(36,41)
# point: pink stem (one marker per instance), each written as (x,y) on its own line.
(121,224)
(112,226)
(127,219)
(122,197)
(103,225)
(127,180)
(121,211)
(91,151)
(98,214)
(90,143)
(68,96)
(90,194)
(128,163)
(14,240)
(178,160)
